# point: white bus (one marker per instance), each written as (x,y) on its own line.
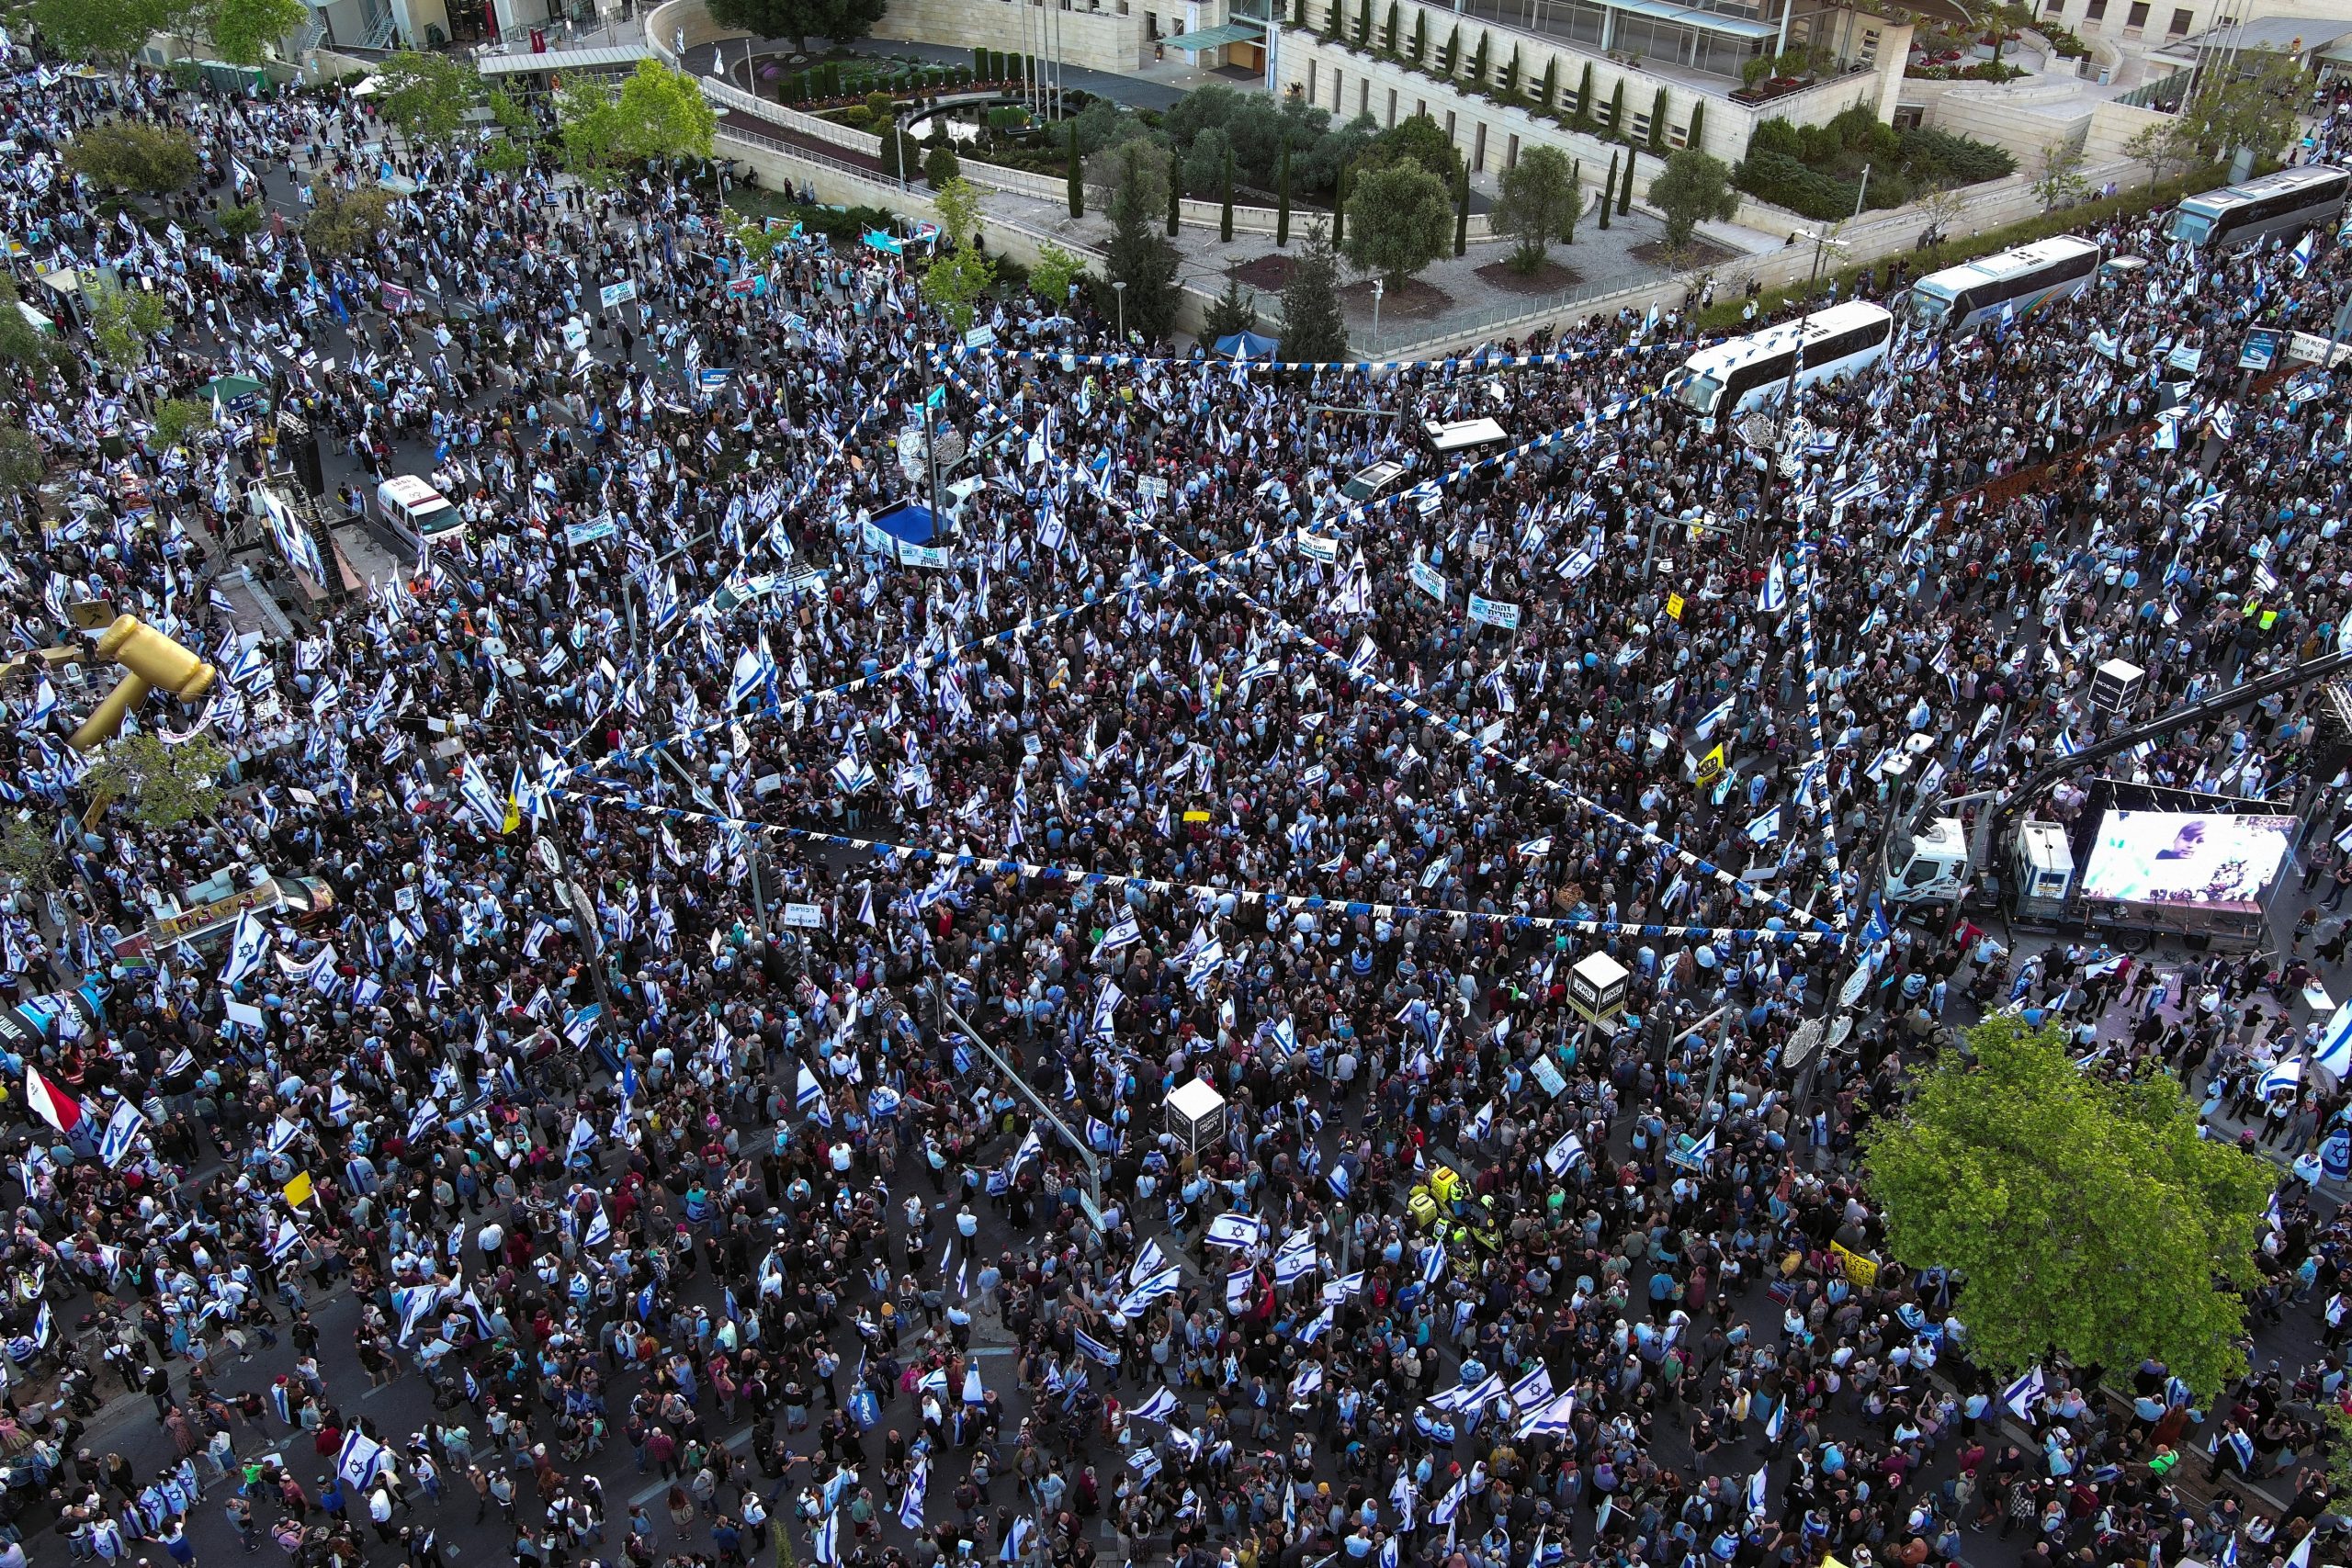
(2285,203)
(1748,372)
(1955,300)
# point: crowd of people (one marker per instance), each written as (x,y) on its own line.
(759,950)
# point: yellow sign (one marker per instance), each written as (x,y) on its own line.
(1860,1272)
(1196,817)
(1674,605)
(298,1191)
(1710,766)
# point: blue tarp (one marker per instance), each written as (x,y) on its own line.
(1247,345)
(909,523)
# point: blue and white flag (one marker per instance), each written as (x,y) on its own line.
(2020,1395)
(247,947)
(911,1505)
(1758,1490)
(1094,1348)
(2334,1053)
(1774,595)
(2284,1078)
(1765,828)
(1714,715)
(122,1131)
(1160,1408)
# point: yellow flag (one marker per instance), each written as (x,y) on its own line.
(1709,765)
(1674,605)
(298,1191)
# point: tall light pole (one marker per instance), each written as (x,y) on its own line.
(1119,290)
(1378,289)
(1821,239)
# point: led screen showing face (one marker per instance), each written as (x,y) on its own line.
(2188,858)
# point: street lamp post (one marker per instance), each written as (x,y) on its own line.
(1119,290)
(1378,289)
(1821,239)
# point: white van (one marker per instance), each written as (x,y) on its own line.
(419,514)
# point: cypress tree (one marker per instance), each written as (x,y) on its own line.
(1617,109)
(1478,61)
(1340,207)
(1389,45)
(1449,58)
(1584,98)
(1625,190)
(1364,25)
(1225,218)
(1698,119)
(1657,122)
(1282,199)
(1462,213)
(1420,36)
(1608,190)
(1175,201)
(1576,202)
(1551,82)
(1077,185)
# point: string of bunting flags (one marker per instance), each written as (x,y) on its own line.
(1697,864)
(1816,770)
(1454,364)
(966,859)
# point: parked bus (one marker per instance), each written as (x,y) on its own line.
(1732,377)
(1955,300)
(2285,203)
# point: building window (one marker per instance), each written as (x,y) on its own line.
(1478,150)
(1449,125)
(1392,108)
(2051,7)
(2138,15)
(1363,92)
(2180,24)
(1868,55)
(1511,154)
(1310,80)
(1641,127)
(2095,10)
(1339,91)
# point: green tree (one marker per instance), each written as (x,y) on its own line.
(1510,84)
(1462,213)
(1140,180)
(28,853)
(1420,37)
(1175,207)
(656,113)
(124,321)
(1282,202)
(1625,188)
(1397,221)
(940,165)
(1583,120)
(1235,310)
(428,97)
(2085,1217)
(161,786)
(960,274)
(1449,58)
(1340,186)
(2252,106)
(101,32)
(1576,203)
(1417,139)
(177,418)
(1690,189)
(1314,325)
(1364,25)
(1696,136)
(1537,198)
(1546,94)
(1478,60)
(1225,202)
(1077,181)
(1056,270)
(21,465)
(128,154)
(22,343)
(246,32)
(239,221)
(2158,145)
(839,22)
(1617,109)
(344,223)
(1608,190)
(1389,33)
(1657,122)
(2061,179)
(1335,20)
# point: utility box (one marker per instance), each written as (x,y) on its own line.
(2116,687)
(1196,1115)
(1597,987)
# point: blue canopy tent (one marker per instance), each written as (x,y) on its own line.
(909,523)
(1247,345)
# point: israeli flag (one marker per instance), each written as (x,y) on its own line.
(1296,1257)
(1765,828)
(1160,1408)
(1338,1181)
(1774,595)
(122,1130)
(807,1093)
(360,1458)
(1016,1540)
(1135,1303)
(1532,1390)
(1714,715)
(1125,933)
(2334,1053)
(1433,1264)
(247,948)
(911,1505)
(1148,1262)
(1236,1230)
(2019,1396)
(2284,1078)
(1094,1348)
(826,1542)
(1758,1486)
